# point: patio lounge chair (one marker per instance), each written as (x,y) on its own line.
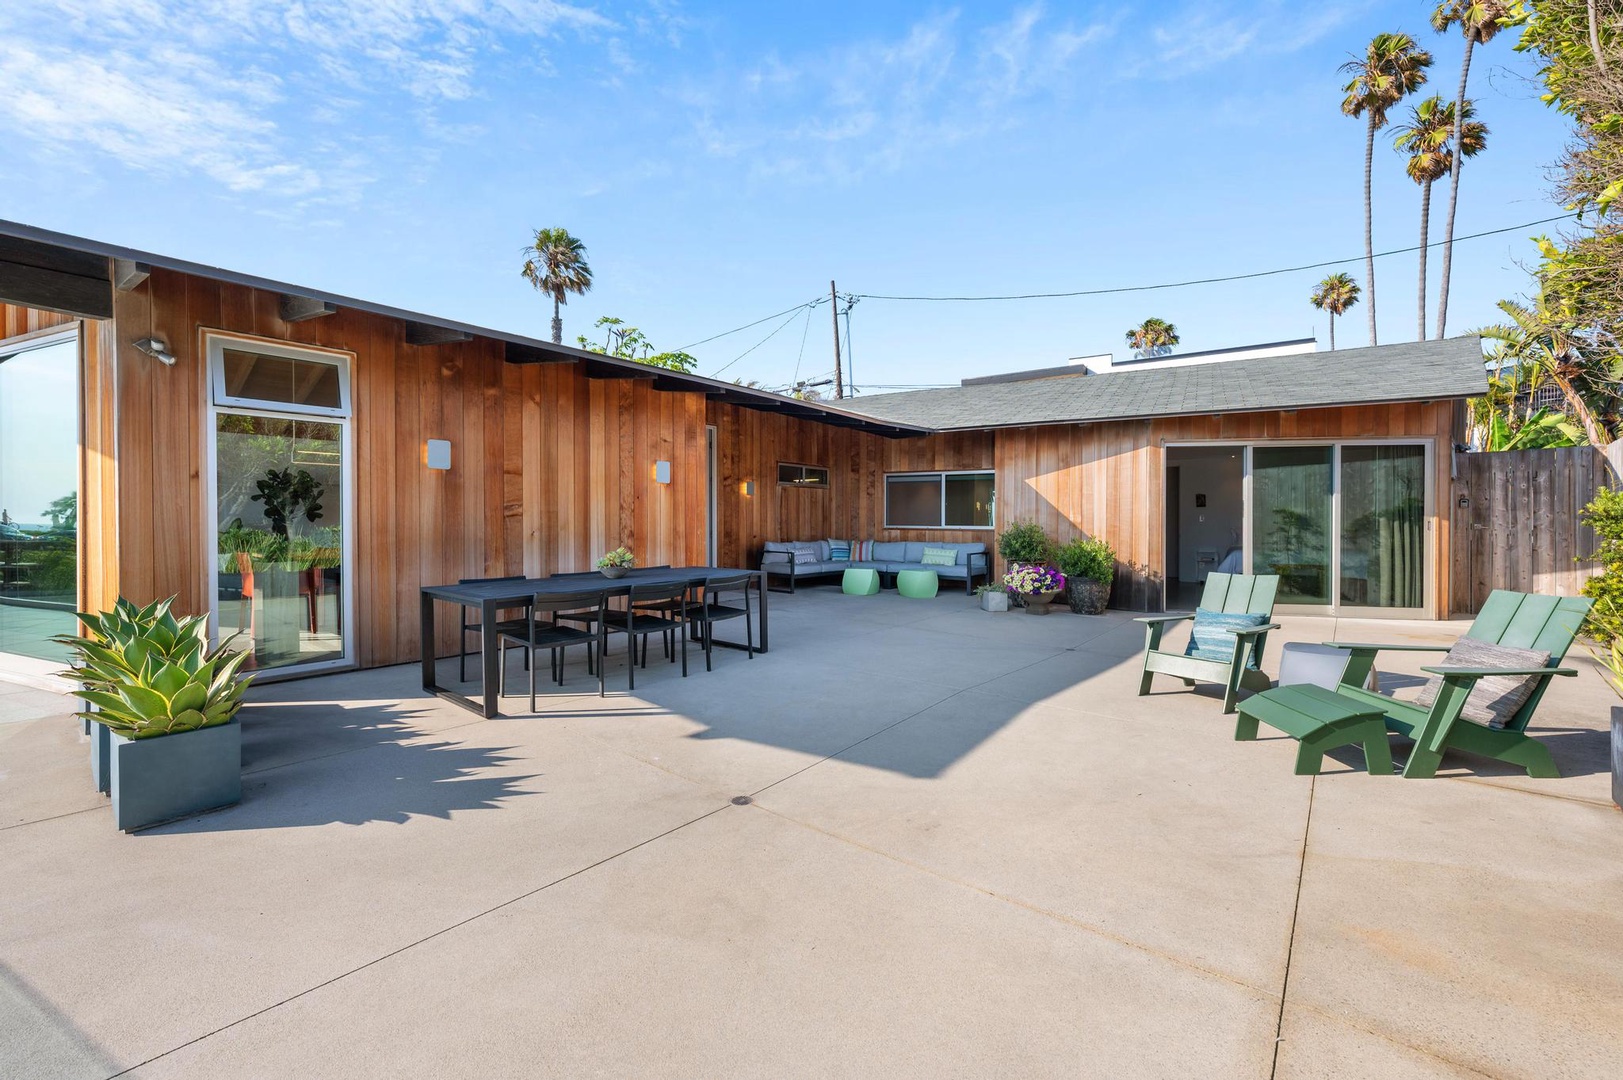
(1519,620)
(1226,594)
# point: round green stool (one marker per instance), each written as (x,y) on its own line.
(858,582)
(917,584)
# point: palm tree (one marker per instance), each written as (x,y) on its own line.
(555,263)
(1152,337)
(1479,21)
(1428,139)
(1335,294)
(1391,68)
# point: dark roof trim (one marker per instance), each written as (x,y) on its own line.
(1337,404)
(520,349)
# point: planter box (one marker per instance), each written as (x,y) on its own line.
(994,601)
(101,747)
(174,776)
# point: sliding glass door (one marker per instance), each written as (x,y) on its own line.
(1344,525)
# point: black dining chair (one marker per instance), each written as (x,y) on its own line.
(710,607)
(535,632)
(659,608)
(474,626)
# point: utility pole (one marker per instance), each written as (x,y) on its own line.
(834,310)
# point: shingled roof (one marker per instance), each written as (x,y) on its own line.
(1385,374)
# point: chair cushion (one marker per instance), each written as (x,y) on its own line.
(839,550)
(1496,698)
(1212,637)
(935,556)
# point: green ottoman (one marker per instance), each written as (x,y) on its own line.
(918,584)
(860,582)
(1319,720)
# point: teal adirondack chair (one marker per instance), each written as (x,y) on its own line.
(1545,623)
(1251,594)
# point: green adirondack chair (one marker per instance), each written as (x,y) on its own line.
(1507,618)
(1251,594)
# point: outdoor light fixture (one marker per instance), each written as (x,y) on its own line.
(748,488)
(662,472)
(155,348)
(437,454)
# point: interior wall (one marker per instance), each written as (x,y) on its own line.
(1219,474)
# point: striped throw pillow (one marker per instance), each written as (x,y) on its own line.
(839,551)
(1213,635)
(939,556)
(1495,700)
(862,551)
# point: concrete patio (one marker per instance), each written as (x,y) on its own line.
(916,840)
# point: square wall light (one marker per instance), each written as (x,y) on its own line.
(662,472)
(437,454)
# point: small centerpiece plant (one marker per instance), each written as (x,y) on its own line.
(616,563)
(1036,585)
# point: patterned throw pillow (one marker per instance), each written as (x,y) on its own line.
(1213,635)
(862,551)
(805,553)
(939,556)
(1495,699)
(839,551)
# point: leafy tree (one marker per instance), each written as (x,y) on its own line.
(1335,294)
(1392,68)
(64,513)
(1544,341)
(1428,139)
(1152,337)
(555,263)
(1480,21)
(626,342)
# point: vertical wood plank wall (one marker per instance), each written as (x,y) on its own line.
(549,468)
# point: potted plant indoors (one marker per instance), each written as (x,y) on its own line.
(993,597)
(1036,585)
(288,495)
(1089,566)
(169,702)
(617,563)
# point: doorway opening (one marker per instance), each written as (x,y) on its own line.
(1205,519)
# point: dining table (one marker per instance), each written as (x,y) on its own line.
(493,596)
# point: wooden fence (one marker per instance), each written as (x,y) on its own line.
(1515,521)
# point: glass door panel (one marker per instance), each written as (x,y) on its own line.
(1291,513)
(1383,522)
(280,516)
(39,496)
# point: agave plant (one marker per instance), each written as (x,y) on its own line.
(150,673)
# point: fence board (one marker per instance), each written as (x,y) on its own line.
(1519,528)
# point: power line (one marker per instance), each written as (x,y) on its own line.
(793,312)
(746,326)
(1216,280)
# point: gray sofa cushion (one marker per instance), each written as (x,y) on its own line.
(886,551)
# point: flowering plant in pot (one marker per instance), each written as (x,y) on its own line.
(1037,585)
(1089,566)
(617,563)
(168,703)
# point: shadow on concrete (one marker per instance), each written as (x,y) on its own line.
(324,763)
(38,1039)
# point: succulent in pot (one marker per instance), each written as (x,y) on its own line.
(617,563)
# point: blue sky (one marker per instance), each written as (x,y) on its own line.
(724,161)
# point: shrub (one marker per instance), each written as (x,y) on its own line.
(1605,515)
(1025,542)
(1606,626)
(1093,559)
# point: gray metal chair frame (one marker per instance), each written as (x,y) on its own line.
(556,638)
(639,620)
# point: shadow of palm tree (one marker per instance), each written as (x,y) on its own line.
(325,763)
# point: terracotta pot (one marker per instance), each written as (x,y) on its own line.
(1086,596)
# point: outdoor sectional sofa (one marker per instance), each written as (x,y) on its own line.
(811,559)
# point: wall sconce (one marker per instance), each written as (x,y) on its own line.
(157,349)
(748,488)
(662,472)
(437,454)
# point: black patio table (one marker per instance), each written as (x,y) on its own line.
(492,596)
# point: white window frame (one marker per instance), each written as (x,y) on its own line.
(942,474)
(219,342)
(215,344)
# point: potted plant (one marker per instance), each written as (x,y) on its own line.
(1605,626)
(288,495)
(1023,543)
(617,563)
(169,704)
(993,597)
(1089,566)
(1036,585)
